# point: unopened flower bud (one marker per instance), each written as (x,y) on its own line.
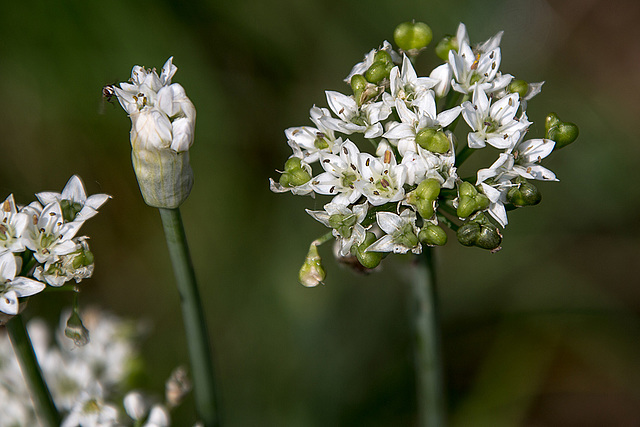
(432,140)
(76,331)
(525,194)
(163,122)
(432,235)
(312,273)
(367,259)
(412,35)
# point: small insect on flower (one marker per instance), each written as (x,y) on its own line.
(108,93)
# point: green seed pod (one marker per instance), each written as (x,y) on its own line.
(383,56)
(489,238)
(428,189)
(425,208)
(467,189)
(432,140)
(433,235)
(526,194)
(563,134)
(468,233)
(412,35)
(518,86)
(444,46)
(358,83)
(298,177)
(292,163)
(482,202)
(466,206)
(377,72)
(367,259)
(552,120)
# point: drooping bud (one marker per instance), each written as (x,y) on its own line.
(412,35)
(432,235)
(312,273)
(76,330)
(367,259)
(563,133)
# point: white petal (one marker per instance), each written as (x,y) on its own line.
(9,302)
(135,405)
(389,222)
(24,287)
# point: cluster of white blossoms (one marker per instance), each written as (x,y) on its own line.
(39,246)
(388,157)
(89,383)
(163,122)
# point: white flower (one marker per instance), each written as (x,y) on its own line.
(382,178)
(405,85)
(495,124)
(425,116)
(77,265)
(137,407)
(75,204)
(48,236)
(425,164)
(342,173)
(402,233)
(12,226)
(365,119)
(12,287)
(91,410)
(345,224)
(312,141)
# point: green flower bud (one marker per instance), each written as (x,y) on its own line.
(444,46)
(367,259)
(525,194)
(312,273)
(432,140)
(378,71)
(468,233)
(412,35)
(433,235)
(76,331)
(518,86)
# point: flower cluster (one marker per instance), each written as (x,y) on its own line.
(396,196)
(39,246)
(88,383)
(162,129)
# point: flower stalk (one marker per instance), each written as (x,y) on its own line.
(430,390)
(40,394)
(193,315)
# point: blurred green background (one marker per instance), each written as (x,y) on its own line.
(545,332)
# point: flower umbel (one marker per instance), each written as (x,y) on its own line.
(162,130)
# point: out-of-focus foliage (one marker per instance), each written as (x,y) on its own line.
(545,332)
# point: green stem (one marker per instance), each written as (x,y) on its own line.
(40,395)
(428,357)
(193,316)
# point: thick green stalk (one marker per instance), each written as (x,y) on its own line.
(193,316)
(40,395)
(428,357)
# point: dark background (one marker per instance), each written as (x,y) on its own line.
(545,332)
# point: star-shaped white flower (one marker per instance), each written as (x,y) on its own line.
(382,178)
(12,287)
(75,204)
(353,119)
(48,236)
(313,140)
(495,124)
(402,233)
(405,85)
(341,176)
(12,226)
